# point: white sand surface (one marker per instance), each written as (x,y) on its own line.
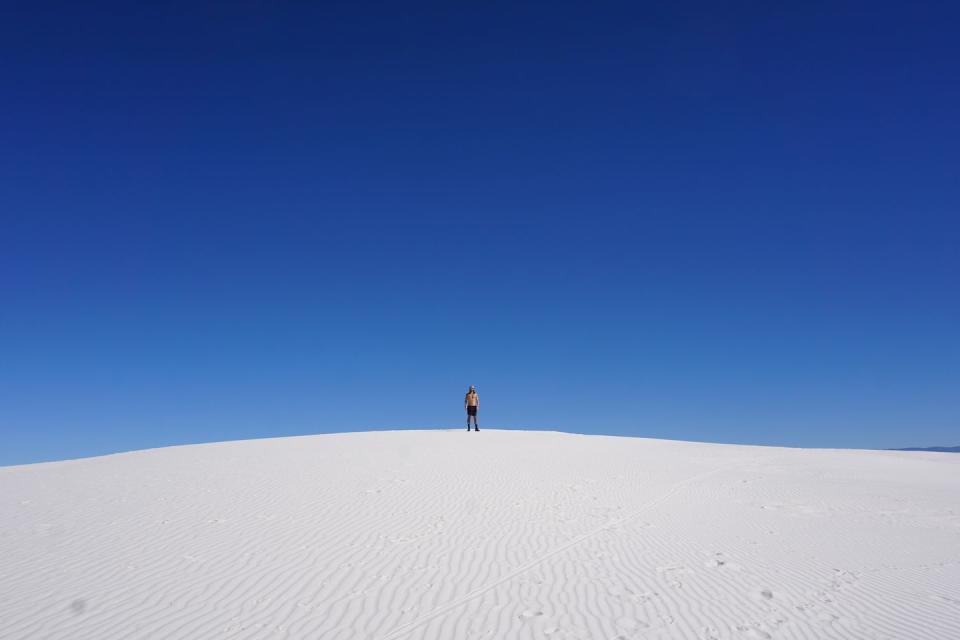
(497,534)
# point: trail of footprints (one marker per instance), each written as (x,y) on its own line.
(775,611)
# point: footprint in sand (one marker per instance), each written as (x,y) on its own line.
(719,561)
(674,574)
(762,595)
(842,578)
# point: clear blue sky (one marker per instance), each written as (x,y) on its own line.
(733,222)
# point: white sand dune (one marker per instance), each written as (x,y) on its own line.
(497,534)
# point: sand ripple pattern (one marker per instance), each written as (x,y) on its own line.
(497,534)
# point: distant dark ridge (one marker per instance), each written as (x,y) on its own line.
(941,449)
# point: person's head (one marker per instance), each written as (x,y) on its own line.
(472,388)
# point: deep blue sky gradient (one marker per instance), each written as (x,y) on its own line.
(732,222)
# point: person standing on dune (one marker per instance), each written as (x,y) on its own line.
(472,403)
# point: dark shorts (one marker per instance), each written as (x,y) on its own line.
(471,411)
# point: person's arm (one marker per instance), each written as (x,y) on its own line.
(478,402)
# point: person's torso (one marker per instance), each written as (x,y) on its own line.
(473,399)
